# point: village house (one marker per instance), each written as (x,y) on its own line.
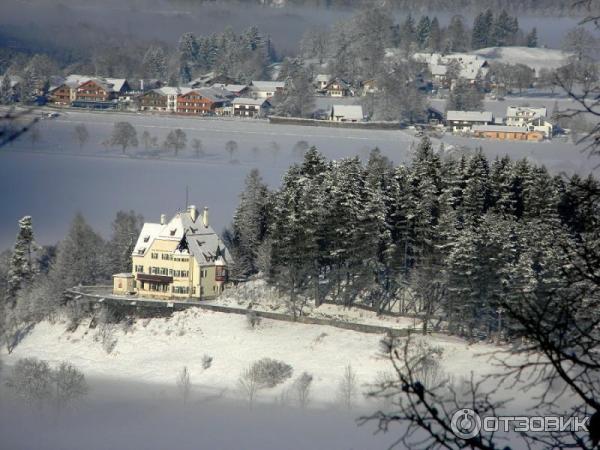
(338,88)
(266,89)
(463,121)
(210,79)
(91,92)
(368,87)
(201,102)
(346,113)
(250,107)
(507,133)
(163,99)
(470,67)
(237,90)
(179,259)
(532,118)
(321,81)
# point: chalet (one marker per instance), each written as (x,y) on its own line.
(507,133)
(532,118)
(250,107)
(338,88)
(163,99)
(153,100)
(460,121)
(321,81)
(210,79)
(83,91)
(201,102)
(470,67)
(368,87)
(180,259)
(237,90)
(346,113)
(266,89)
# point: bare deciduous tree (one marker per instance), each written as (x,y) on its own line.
(124,136)
(231,147)
(302,387)
(69,384)
(30,379)
(81,134)
(348,388)
(184,384)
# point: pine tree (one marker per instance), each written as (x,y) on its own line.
(502,30)
(423,31)
(532,38)
(456,41)
(22,267)
(126,229)
(6,91)
(481,30)
(188,56)
(465,97)
(434,40)
(155,63)
(476,195)
(81,257)
(250,223)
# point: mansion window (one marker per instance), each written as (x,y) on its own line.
(139,269)
(181,290)
(154,255)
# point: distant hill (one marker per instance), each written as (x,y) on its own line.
(536,58)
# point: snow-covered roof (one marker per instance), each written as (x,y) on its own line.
(536,58)
(203,243)
(437,69)
(235,88)
(170,90)
(470,116)
(323,78)
(110,84)
(249,101)
(268,86)
(350,112)
(525,111)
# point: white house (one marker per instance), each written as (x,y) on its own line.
(465,120)
(322,80)
(250,107)
(347,113)
(266,89)
(532,118)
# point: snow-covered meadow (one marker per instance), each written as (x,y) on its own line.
(55,181)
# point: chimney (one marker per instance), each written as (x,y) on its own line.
(193,212)
(163,219)
(205,217)
(142,85)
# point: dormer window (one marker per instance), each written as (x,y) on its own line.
(146,238)
(173,232)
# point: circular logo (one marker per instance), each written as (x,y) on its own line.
(465,423)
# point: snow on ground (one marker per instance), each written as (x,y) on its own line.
(54,185)
(154,350)
(256,295)
(536,58)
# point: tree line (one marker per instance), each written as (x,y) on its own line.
(33,278)
(449,239)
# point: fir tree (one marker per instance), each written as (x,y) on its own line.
(423,31)
(532,38)
(22,267)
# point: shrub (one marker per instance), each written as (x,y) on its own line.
(206,362)
(270,372)
(253,319)
(30,379)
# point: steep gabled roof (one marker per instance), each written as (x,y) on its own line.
(201,242)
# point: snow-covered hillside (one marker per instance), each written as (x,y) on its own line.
(536,58)
(154,350)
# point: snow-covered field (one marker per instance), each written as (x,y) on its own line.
(154,350)
(54,185)
(536,58)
